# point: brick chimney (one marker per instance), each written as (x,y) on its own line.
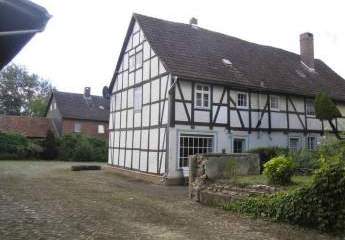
(87,92)
(193,21)
(307,49)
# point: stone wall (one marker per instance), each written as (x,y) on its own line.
(207,168)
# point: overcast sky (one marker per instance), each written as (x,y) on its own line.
(82,41)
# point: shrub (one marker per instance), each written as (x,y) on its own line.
(267,153)
(279,170)
(50,150)
(77,147)
(305,161)
(15,146)
(320,205)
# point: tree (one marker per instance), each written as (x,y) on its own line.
(22,93)
(50,151)
(325,109)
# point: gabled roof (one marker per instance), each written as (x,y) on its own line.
(76,106)
(195,53)
(19,15)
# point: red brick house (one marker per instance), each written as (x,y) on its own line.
(79,113)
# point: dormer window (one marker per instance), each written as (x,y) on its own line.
(202,96)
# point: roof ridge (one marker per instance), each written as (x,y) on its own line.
(81,94)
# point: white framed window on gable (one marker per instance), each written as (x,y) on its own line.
(202,96)
(242,100)
(309,107)
(274,102)
(137,99)
(191,144)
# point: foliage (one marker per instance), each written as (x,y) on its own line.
(267,153)
(50,151)
(77,147)
(15,146)
(22,93)
(320,205)
(325,109)
(305,161)
(279,170)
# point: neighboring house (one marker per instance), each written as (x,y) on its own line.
(30,127)
(79,113)
(20,20)
(179,89)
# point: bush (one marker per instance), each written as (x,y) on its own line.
(320,205)
(305,161)
(279,170)
(50,151)
(267,153)
(15,146)
(77,147)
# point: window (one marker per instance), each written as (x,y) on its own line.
(239,145)
(202,96)
(274,102)
(131,63)
(294,145)
(194,144)
(139,59)
(310,108)
(77,127)
(242,100)
(311,143)
(137,99)
(100,129)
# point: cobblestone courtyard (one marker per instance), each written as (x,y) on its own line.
(45,200)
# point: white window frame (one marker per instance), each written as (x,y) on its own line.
(309,104)
(137,99)
(298,147)
(100,129)
(195,135)
(278,102)
(203,93)
(239,138)
(237,102)
(77,127)
(308,143)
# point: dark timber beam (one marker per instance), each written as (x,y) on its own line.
(262,115)
(296,112)
(183,101)
(238,112)
(269,114)
(218,107)
(250,113)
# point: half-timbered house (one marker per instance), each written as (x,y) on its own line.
(179,89)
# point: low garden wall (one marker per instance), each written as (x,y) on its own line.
(207,171)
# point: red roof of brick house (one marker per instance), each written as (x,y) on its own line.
(32,127)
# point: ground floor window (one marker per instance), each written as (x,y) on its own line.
(100,129)
(193,144)
(77,127)
(239,145)
(311,143)
(294,144)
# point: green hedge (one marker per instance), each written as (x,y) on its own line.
(74,147)
(15,146)
(320,205)
(77,147)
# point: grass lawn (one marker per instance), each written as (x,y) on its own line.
(298,181)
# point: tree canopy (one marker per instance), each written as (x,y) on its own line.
(325,108)
(23,93)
